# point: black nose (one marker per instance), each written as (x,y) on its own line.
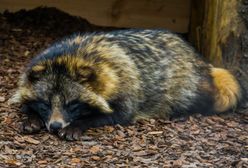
(55,126)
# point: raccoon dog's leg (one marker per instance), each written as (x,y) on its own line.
(122,115)
(33,123)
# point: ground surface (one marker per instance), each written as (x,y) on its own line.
(216,141)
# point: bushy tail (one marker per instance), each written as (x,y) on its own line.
(228,91)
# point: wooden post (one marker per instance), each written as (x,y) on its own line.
(218,31)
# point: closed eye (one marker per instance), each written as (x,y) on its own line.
(40,107)
(78,107)
(74,107)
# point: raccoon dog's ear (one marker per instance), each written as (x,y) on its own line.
(85,74)
(95,100)
(36,72)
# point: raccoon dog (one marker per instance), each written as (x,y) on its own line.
(108,78)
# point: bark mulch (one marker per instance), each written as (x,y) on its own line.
(214,141)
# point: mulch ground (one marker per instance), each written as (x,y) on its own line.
(214,141)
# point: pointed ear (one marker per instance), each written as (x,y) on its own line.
(85,74)
(96,101)
(101,104)
(36,72)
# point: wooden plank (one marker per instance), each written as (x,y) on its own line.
(196,22)
(170,14)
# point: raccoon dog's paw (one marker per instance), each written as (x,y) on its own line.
(32,125)
(71,133)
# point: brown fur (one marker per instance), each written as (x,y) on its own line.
(128,74)
(228,89)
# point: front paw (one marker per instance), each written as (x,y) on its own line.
(71,133)
(32,125)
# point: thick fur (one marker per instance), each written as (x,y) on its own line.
(228,91)
(117,77)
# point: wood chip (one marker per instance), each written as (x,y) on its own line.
(96,158)
(75,160)
(31,140)
(13,162)
(155,132)
(42,162)
(95,149)
(19,139)
(2,99)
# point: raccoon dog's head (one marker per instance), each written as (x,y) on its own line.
(64,89)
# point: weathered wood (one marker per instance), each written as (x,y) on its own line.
(170,14)
(220,32)
(222,29)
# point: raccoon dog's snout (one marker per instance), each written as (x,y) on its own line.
(55,126)
(57,119)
